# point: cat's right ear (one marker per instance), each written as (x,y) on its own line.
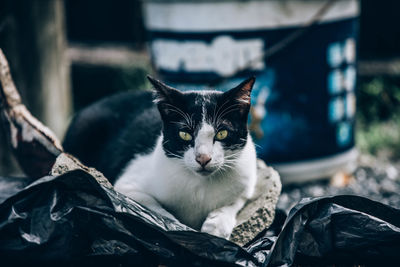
(163,93)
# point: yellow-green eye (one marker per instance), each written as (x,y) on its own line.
(185,136)
(221,135)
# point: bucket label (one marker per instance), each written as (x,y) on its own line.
(224,55)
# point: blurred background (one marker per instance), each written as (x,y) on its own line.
(66,54)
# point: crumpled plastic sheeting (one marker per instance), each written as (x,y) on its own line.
(12,185)
(71,220)
(340,230)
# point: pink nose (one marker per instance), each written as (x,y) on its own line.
(203,159)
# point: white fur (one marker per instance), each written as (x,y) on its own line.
(174,188)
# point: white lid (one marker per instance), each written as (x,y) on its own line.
(205,16)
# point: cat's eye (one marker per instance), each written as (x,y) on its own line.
(185,136)
(221,135)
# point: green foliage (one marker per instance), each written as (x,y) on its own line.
(378,128)
(378,99)
(377,137)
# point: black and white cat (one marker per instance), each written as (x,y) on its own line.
(189,156)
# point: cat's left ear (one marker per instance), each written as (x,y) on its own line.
(163,92)
(165,96)
(242,93)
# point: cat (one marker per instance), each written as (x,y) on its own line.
(186,155)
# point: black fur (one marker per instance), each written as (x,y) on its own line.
(109,133)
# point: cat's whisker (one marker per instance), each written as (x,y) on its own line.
(182,124)
(187,121)
(226,111)
(191,121)
(231,164)
(187,118)
(222,171)
(257,145)
(231,160)
(234,160)
(214,113)
(245,140)
(217,114)
(224,167)
(228,167)
(220,107)
(233,155)
(165,142)
(228,107)
(169,152)
(173,154)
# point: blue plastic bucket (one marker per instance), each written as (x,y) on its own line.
(303,110)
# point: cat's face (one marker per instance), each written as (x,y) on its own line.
(205,129)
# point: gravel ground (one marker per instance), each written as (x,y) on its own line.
(374,178)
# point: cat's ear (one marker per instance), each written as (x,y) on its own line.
(241,94)
(165,96)
(163,92)
(239,97)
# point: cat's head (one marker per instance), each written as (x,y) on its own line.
(207,130)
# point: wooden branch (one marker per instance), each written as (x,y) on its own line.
(35,146)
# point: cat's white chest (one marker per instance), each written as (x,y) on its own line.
(189,197)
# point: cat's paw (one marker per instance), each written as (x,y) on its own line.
(219,224)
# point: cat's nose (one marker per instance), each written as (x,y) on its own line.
(203,159)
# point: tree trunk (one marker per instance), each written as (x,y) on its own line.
(32,36)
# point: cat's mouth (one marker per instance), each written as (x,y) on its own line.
(204,172)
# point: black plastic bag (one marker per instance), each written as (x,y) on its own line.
(12,185)
(347,230)
(71,220)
